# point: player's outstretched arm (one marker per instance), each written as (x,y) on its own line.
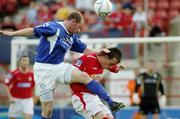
(22,32)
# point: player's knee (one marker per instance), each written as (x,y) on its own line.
(47,112)
(80,77)
(85,78)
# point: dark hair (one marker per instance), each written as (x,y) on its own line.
(75,15)
(23,56)
(115,53)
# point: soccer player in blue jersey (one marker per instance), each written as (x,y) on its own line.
(56,38)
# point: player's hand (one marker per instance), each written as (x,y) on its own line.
(135,98)
(120,67)
(116,68)
(8,33)
(162,101)
(103,52)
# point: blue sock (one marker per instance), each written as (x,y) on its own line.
(95,87)
(42,117)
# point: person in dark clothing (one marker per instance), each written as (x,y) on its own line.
(150,83)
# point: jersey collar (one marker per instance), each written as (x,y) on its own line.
(61,23)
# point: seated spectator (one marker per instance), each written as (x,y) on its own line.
(2,7)
(11,6)
(32,13)
(95,24)
(62,13)
(44,15)
(140,20)
(24,23)
(156,31)
(114,22)
(84,5)
(128,23)
(127,4)
(8,24)
(57,5)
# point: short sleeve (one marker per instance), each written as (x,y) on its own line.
(81,62)
(9,79)
(46,29)
(78,46)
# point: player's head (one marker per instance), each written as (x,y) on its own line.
(151,64)
(74,22)
(110,59)
(24,61)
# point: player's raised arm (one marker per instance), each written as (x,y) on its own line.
(46,29)
(22,32)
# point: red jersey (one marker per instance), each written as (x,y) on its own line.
(117,18)
(90,65)
(21,84)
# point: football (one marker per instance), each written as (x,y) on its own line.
(103,7)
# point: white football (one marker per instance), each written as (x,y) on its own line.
(103,7)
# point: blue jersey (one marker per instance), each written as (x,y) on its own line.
(55,41)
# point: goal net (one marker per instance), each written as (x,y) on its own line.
(136,52)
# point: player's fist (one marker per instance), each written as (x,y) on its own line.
(116,68)
(8,33)
(162,101)
(103,52)
(135,98)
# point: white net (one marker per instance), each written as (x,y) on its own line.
(136,52)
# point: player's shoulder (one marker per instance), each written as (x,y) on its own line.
(143,74)
(12,73)
(48,24)
(59,24)
(92,56)
(157,73)
(16,71)
(89,56)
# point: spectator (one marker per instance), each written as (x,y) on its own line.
(8,24)
(32,13)
(24,23)
(44,14)
(95,24)
(85,5)
(156,31)
(140,20)
(114,22)
(62,13)
(128,23)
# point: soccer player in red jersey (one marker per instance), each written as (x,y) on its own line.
(20,84)
(85,102)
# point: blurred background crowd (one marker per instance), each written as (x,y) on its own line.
(129,17)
